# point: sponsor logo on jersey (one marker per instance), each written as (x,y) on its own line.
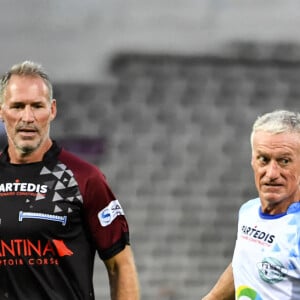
(42,216)
(244,292)
(61,248)
(24,251)
(22,188)
(271,270)
(253,234)
(110,212)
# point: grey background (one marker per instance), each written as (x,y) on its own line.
(176,149)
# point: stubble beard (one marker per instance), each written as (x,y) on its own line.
(26,150)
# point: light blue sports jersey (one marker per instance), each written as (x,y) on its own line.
(266,260)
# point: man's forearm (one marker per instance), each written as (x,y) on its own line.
(124,285)
(123,278)
(224,288)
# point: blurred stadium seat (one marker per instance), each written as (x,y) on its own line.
(177,152)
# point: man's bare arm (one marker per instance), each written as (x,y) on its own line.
(123,276)
(224,288)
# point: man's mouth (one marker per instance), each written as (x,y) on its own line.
(26,129)
(272,184)
(27,132)
(269,187)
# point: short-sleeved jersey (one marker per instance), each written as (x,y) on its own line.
(266,260)
(54,216)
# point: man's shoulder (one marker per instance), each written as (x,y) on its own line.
(251,204)
(76,163)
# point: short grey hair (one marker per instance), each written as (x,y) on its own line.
(26,68)
(277,121)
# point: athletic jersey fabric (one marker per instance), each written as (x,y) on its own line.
(266,260)
(54,216)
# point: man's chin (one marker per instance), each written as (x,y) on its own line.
(271,197)
(27,148)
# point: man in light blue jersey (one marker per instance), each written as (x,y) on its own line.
(266,259)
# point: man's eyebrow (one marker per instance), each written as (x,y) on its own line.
(24,102)
(261,152)
(16,102)
(280,154)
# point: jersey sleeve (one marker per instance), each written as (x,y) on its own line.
(102,213)
(105,217)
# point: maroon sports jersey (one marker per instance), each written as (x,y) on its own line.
(54,216)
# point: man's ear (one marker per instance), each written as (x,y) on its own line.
(252,162)
(1,118)
(53,109)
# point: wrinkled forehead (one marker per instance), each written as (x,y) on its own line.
(288,141)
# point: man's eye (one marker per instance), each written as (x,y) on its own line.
(284,161)
(262,159)
(38,105)
(17,106)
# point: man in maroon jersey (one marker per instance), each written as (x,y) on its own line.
(56,210)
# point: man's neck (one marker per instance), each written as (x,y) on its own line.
(18,157)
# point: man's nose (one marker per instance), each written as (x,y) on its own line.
(28,115)
(272,170)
